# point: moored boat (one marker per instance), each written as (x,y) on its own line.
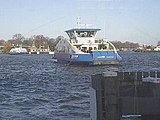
(20,50)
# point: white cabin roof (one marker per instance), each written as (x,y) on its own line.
(83,29)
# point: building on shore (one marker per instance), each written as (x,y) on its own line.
(157,48)
(41,50)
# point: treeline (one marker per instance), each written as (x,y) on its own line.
(126,45)
(19,40)
(42,41)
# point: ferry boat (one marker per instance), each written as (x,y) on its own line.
(84,48)
(15,51)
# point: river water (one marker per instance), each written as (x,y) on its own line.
(33,87)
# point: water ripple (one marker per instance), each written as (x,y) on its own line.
(34,87)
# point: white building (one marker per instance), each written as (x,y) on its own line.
(157,48)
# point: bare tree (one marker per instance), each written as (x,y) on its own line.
(17,39)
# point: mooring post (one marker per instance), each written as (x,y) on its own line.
(126,93)
(111,98)
(106,86)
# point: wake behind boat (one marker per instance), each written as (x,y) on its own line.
(83,48)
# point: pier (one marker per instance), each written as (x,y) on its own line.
(114,94)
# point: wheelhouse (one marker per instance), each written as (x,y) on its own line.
(84,39)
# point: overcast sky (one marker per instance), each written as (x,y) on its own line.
(125,20)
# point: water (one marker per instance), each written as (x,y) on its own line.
(33,87)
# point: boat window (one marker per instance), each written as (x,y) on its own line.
(84,49)
(102,46)
(85,33)
(91,33)
(95,48)
(71,35)
(90,48)
(96,41)
(74,41)
(81,33)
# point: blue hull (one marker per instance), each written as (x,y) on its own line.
(94,58)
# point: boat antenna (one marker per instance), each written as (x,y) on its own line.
(104,29)
(78,21)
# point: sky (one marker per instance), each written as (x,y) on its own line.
(135,21)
